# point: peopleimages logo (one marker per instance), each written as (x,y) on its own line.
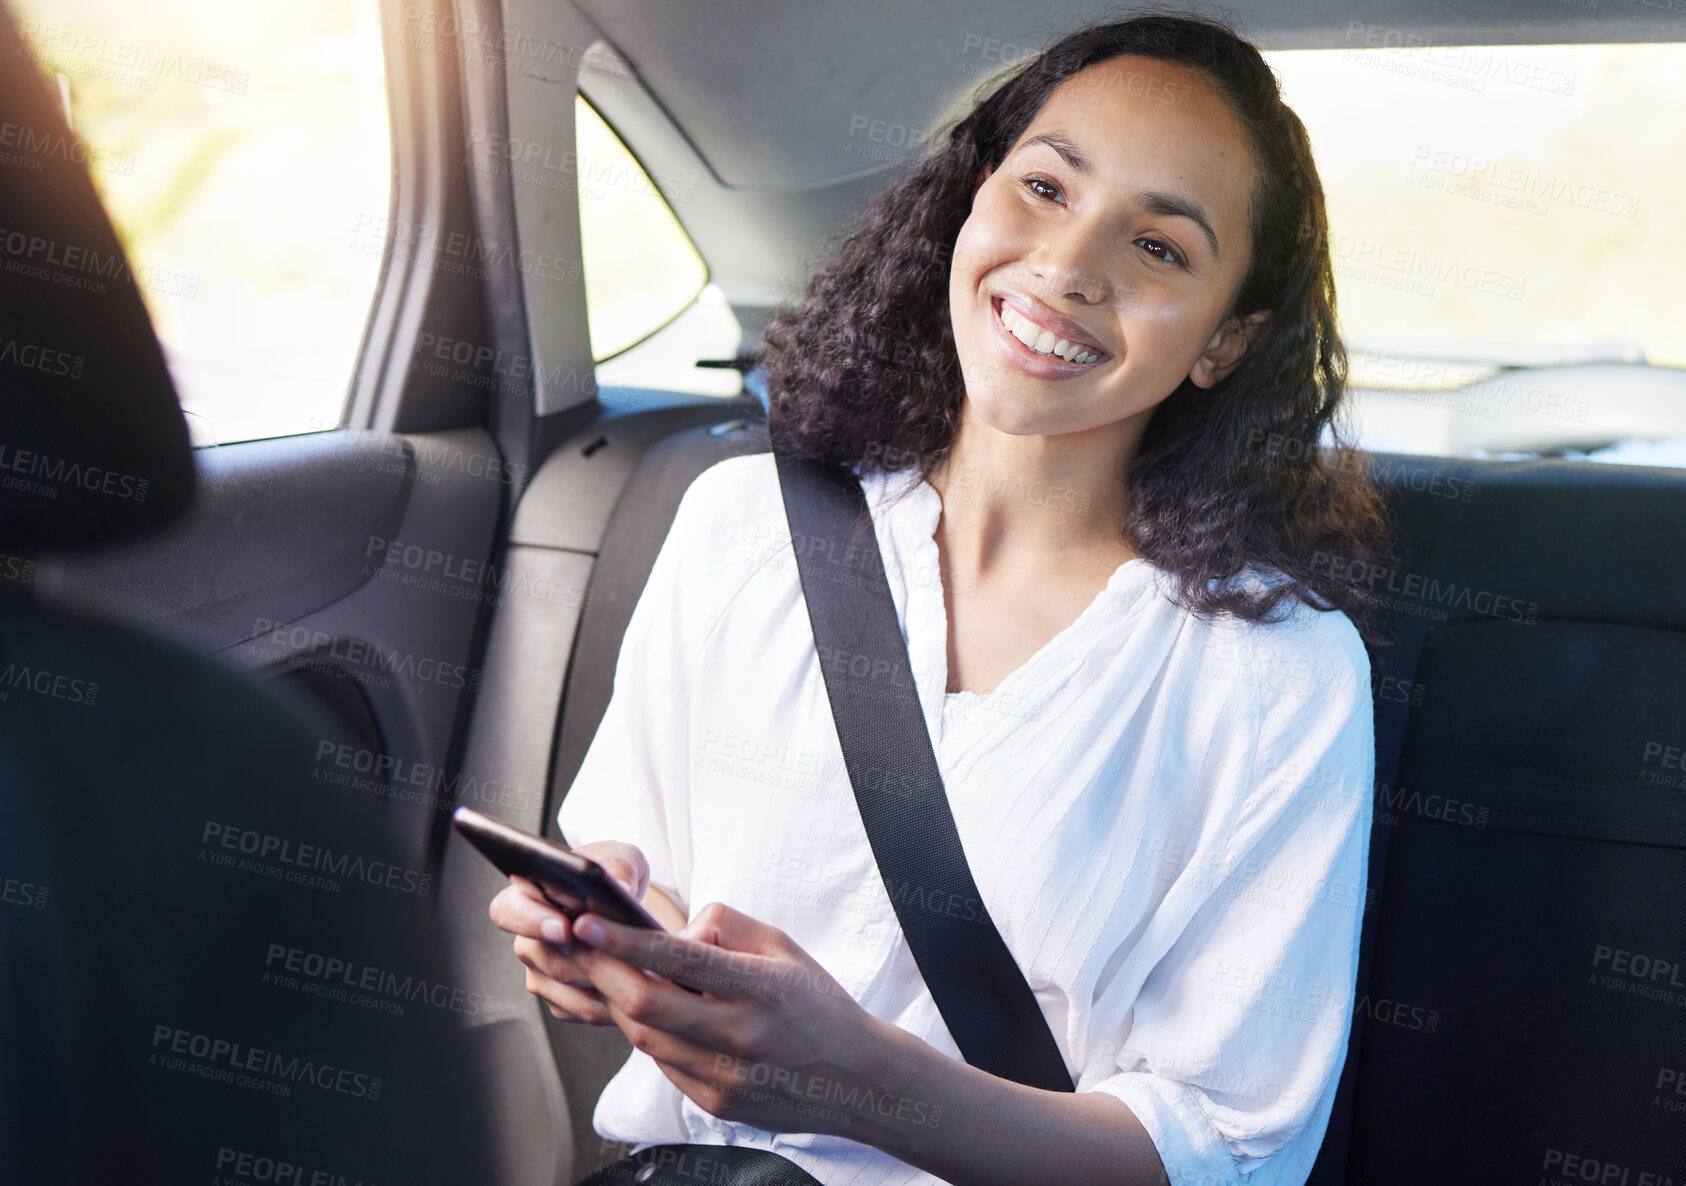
(57,473)
(125,61)
(218,1058)
(24,894)
(40,258)
(43,143)
(352,983)
(54,684)
(1401,590)
(31,357)
(246,1166)
(1470,67)
(319,651)
(411,781)
(1423,268)
(1530,187)
(592,174)
(305,859)
(436,571)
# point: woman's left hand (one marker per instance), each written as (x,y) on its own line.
(773,1041)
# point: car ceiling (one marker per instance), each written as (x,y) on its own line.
(767,91)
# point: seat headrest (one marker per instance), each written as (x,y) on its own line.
(93,446)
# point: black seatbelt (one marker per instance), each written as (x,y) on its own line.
(989,1009)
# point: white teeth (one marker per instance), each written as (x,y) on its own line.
(1040,340)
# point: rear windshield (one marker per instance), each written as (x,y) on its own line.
(1508,214)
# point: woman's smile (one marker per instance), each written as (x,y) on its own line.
(1041,342)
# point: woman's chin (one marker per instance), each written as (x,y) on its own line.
(1012,412)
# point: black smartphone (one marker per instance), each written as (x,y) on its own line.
(575,885)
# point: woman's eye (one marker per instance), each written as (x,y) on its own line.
(1042,188)
(1161,250)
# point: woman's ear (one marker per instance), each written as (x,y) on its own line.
(1227,348)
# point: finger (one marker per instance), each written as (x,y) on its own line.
(625,862)
(543,957)
(623,872)
(647,1001)
(659,1019)
(713,1093)
(766,961)
(718,925)
(545,899)
(702,966)
(521,909)
(567,1003)
(532,890)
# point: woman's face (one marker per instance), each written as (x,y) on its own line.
(1113,239)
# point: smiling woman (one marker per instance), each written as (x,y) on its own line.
(1080,357)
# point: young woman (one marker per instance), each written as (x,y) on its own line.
(1083,355)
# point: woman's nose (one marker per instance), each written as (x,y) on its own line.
(1072,265)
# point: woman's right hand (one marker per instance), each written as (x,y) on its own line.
(544,935)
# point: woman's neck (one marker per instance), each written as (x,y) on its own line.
(1016,501)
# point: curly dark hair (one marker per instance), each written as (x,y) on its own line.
(1232,476)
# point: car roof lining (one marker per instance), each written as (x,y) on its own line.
(768,90)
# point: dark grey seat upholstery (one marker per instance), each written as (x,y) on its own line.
(208,952)
(1527,837)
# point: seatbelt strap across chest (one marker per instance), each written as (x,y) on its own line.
(978,987)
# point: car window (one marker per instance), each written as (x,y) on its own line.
(1501,217)
(234,146)
(653,313)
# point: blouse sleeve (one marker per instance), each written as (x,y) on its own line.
(1234,1046)
(633,785)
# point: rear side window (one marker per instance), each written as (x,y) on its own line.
(652,312)
(235,147)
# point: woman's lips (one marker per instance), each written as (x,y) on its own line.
(1035,362)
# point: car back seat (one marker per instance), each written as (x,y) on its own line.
(1518,943)
(1522,1015)
(588,1058)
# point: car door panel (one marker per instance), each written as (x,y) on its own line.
(355,567)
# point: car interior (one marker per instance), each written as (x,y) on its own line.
(429,596)
(179,887)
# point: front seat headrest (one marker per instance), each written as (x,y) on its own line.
(93,446)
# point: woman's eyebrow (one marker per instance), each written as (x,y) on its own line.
(1069,152)
(1152,200)
(1176,206)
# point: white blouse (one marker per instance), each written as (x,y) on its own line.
(1166,817)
